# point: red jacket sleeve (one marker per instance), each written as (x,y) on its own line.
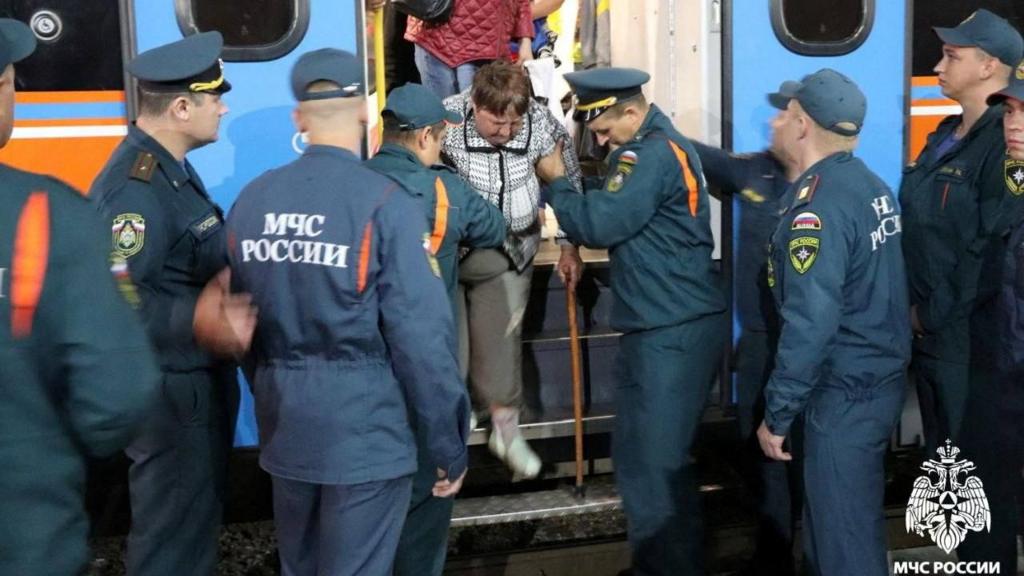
(524,23)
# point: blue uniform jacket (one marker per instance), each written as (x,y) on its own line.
(950,205)
(172,234)
(759,181)
(1011,340)
(77,376)
(652,214)
(461,216)
(354,325)
(837,273)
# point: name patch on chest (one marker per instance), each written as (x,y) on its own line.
(291,249)
(205,226)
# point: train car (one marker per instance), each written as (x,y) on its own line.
(712,63)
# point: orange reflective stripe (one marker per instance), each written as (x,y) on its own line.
(688,177)
(28,269)
(364,257)
(440,216)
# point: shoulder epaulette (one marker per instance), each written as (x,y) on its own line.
(805,192)
(142,169)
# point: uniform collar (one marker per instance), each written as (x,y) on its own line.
(399,152)
(653,121)
(334,151)
(949,124)
(834,158)
(178,173)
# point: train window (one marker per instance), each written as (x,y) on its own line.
(79,44)
(927,48)
(817,28)
(253,30)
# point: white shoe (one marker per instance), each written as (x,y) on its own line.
(517,455)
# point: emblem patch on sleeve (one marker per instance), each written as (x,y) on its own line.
(622,171)
(803,252)
(129,234)
(806,221)
(1013,173)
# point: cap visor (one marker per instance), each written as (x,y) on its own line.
(787,91)
(20,38)
(453,118)
(1015,92)
(779,100)
(953,37)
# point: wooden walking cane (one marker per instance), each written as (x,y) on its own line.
(577,385)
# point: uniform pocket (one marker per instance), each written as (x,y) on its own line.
(184,399)
(951,182)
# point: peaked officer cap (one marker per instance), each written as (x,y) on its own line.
(191,64)
(599,89)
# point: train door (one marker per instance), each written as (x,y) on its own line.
(770,41)
(70,105)
(263,38)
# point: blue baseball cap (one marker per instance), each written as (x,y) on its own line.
(329,65)
(830,98)
(991,33)
(1014,90)
(191,64)
(415,107)
(16,42)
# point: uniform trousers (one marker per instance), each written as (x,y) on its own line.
(846,433)
(664,380)
(339,529)
(178,473)
(942,394)
(991,438)
(775,485)
(424,542)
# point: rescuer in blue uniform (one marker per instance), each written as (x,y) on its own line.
(415,122)
(77,373)
(836,270)
(652,215)
(355,337)
(759,181)
(170,231)
(991,436)
(948,196)
(455,212)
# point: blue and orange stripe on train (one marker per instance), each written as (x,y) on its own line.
(68,135)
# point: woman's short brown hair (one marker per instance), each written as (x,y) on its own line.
(501,85)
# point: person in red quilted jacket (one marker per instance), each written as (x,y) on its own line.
(448,54)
